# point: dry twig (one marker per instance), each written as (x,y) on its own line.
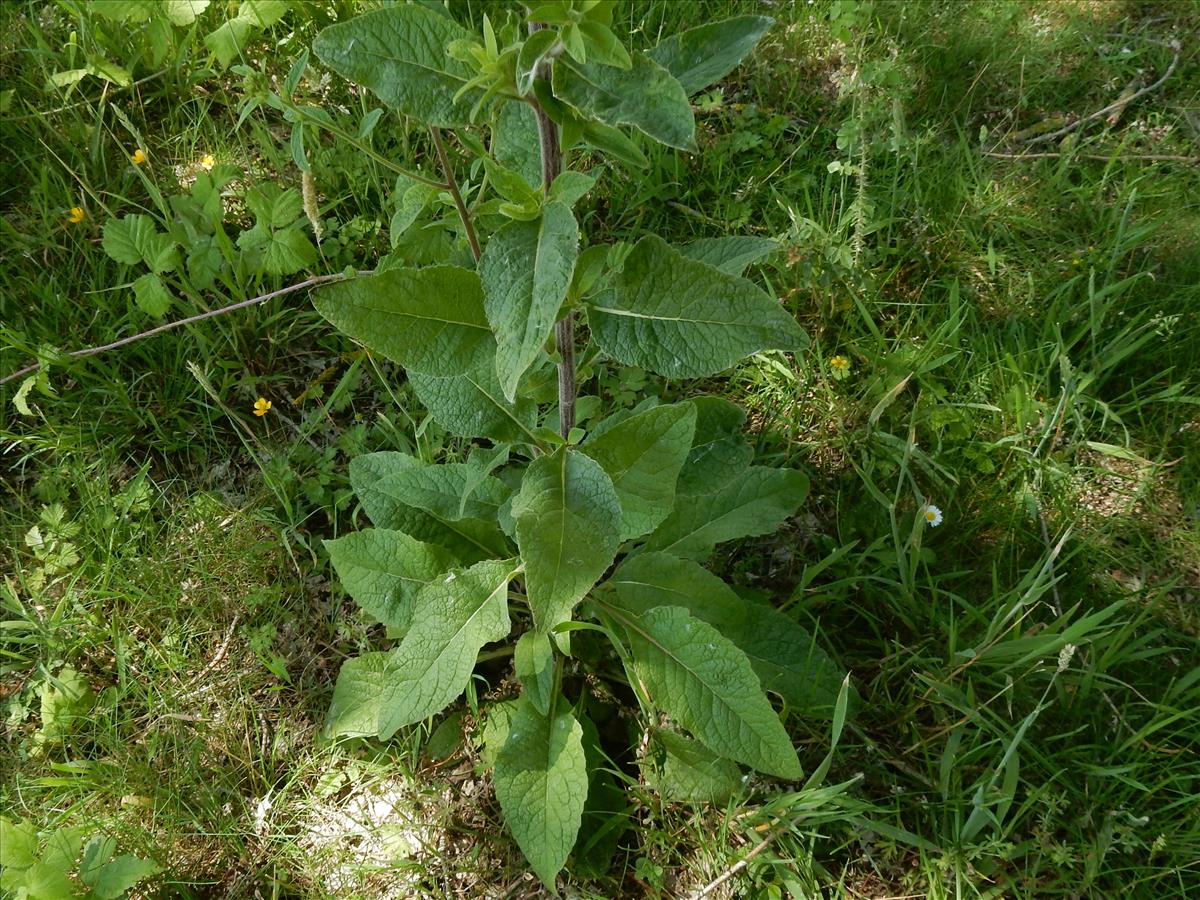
(1136,157)
(736,867)
(1119,103)
(92,351)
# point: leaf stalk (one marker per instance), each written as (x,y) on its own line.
(452,186)
(358,145)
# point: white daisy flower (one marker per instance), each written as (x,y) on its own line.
(932,515)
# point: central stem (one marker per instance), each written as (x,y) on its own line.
(564,331)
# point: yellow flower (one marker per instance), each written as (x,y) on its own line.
(262,406)
(139,156)
(76,215)
(840,366)
(207,162)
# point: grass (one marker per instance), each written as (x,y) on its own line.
(1022,337)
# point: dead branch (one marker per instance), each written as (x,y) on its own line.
(93,351)
(1136,157)
(1120,103)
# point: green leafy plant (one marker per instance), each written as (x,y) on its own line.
(147,33)
(136,32)
(196,252)
(38,866)
(550,541)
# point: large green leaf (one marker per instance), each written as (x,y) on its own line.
(120,874)
(481,463)
(473,405)
(568,528)
(785,657)
(151,295)
(692,772)
(126,10)
(429,320)
(277,251)
(603,46)
(227,40)
(643,455)
(135,239)
(357,696)
(450,491)
(373,477)
(382,569)
(470,538)
(367,470)
(711,465)
(645,96)
(452,619)
(497,724)
(515,141)
(533,661)
(756,502)
(47,881)
(232,36)
(570,187)
(96,853)
(413,201)
(729,254)
(541,783)
(274,206)
(63,845)
(204,262)
(262,13)
(703,681)
(615,143)
(683,318)
(530,57)
(716,418)
(700,56)
(184,12)
(526,269)
(513,187)
(18,843)
(400,54)
(619,415)
(719,452)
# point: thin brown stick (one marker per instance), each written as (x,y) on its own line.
(221,650)
(1147,157)
(92,351)
(736,867)
(1119,103)
(452,186)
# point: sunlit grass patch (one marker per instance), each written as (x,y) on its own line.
(358,825)
(191,711)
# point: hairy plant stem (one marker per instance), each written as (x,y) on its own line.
(564,331)
(452,186)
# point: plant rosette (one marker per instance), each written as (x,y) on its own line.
(546,541)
